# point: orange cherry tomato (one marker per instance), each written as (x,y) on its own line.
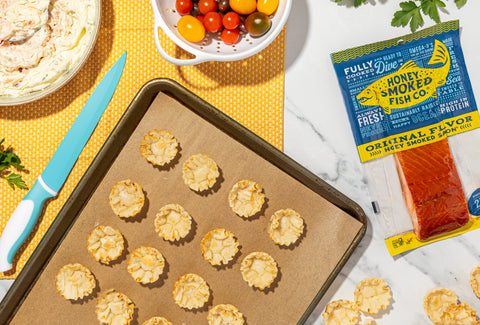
(191,28)
(243,7)
(268,7)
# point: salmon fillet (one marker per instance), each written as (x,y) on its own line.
(432,189)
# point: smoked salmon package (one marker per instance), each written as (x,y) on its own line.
(415,123)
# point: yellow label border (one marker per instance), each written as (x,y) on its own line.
(408,241)
(418,137)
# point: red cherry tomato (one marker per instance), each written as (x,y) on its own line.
(184,6)
(207,6)
(230,36)
(200,17)
(231,20)
(212,21)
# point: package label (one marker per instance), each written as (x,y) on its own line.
(400,96)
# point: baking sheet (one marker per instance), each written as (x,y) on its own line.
(305,270)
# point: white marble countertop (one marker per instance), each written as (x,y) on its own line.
(316,28)
(318,135)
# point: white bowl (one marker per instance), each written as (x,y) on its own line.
(60,82)
(212,47)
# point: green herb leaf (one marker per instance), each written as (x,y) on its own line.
(357,3)
(16,180)
(9,159)
(460,3)
(409,13)
(430,8)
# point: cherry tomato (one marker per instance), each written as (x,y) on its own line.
(268,7)
(183,6)
(230,36)
(207,6)
(223,6)
(243,7)
(231,20)
(257,24)
(200,17)
(191,28)
(212,21)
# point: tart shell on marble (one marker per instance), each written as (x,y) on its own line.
(458,314)
(372,295)
(126,198)
(105,244)
(74,281)
(246,198)
(114,308)
(342,312)
(172,222)
(200,172)
(436,302)
(225,314)
(191,291)
(285,227)
(475,280)
(159,147)
(146,264)
(259,270)
(219,246)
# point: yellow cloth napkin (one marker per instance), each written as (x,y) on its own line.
(250,91)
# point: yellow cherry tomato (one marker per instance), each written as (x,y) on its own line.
(243,7)
(191,28)
(268,7)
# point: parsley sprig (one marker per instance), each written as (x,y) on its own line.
(9,159)
(411,12)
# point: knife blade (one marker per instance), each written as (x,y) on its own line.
(49,183)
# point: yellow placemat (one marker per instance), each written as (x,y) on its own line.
(250,91)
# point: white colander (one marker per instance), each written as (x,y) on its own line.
(212,47)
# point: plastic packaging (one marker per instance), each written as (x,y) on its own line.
(414,119)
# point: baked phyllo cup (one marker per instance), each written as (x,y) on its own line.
(200,172)
(146,264)
(114,308)
(475,280)
(126,198)
(372,295)
(157,321)
(225,314)
(173,222)
(285,227)
(191,291)
(436,302)
(246,198)
(341,312)
(219,246)
(259,270)
(105,244)
(74,281)
(159,147)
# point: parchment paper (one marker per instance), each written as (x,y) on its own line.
(303,268)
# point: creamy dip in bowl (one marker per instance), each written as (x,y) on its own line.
(53,50)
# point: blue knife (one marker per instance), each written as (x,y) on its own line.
(53,177)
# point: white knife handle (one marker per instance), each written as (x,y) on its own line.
(22,222)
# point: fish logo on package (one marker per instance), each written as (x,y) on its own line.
(410,85)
